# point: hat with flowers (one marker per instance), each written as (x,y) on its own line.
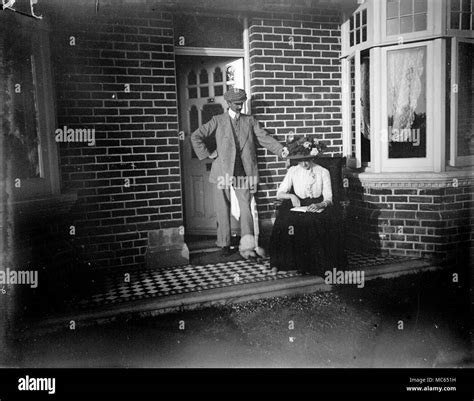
(301,148)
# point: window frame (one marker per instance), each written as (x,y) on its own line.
(454,159)
(48,184)
(347,49)
(352,162)
(466,33)
(407,164)
(431,26)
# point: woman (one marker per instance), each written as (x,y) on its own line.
(310,240)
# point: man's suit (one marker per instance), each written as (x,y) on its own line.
(246,132)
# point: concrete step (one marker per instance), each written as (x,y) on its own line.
(216,296)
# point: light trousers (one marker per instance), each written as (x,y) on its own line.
(222,202)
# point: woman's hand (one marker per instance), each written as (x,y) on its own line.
(295,201)
(213,155)
(314,207)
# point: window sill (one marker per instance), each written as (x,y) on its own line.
(455,177)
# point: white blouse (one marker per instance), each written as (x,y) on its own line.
(310,183)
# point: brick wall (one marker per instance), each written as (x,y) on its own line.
(410,221)
(295,81)
(129,183)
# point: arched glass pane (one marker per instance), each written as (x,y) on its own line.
(193,125)
(192,78)
(193,119)
(210,110)
(218,76)
(203,77)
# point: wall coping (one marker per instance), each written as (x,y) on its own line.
(446,179)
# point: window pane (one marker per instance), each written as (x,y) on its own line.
(204,91)
(218,76)
(406,24)
(352,22)
(420,6)
(406,97)
(364,17)
(365,106)
(193,125)
(364,34)
(358,19)
(466,6)
(193,93)
(357,36)
(455,5)
(466,21)
(193,118)
(192,80)
(465,133)
(393,27)
(454,20)
(22,132)
(406,7)
(351,34)
(203,77)
(218,90)
(420,22)
(392,8)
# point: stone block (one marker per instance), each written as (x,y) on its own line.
(166,248)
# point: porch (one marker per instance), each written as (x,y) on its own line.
(115,294)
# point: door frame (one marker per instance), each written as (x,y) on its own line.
(215,52)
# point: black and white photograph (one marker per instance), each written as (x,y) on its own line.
(280,187)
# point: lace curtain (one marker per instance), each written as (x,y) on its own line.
(404,85)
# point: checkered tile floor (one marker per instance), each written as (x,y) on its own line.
(147,284)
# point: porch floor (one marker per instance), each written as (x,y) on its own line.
(154,292)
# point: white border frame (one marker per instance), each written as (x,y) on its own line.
(408,164)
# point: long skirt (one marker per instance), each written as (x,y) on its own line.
(309,242)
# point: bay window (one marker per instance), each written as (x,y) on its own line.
(400,113)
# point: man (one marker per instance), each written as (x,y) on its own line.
(235,136)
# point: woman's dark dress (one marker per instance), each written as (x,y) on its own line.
(309,242)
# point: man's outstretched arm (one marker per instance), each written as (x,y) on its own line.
(266,140)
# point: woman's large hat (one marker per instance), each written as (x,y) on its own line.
(303,148)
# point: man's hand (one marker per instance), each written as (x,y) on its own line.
(213,155)
(295,201)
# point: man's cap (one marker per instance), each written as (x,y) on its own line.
(235,95)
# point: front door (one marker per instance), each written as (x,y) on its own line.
(202,83)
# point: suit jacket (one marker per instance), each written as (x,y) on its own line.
(219,129)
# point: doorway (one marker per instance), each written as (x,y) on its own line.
(202,82)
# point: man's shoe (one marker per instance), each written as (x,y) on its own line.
(248,254)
